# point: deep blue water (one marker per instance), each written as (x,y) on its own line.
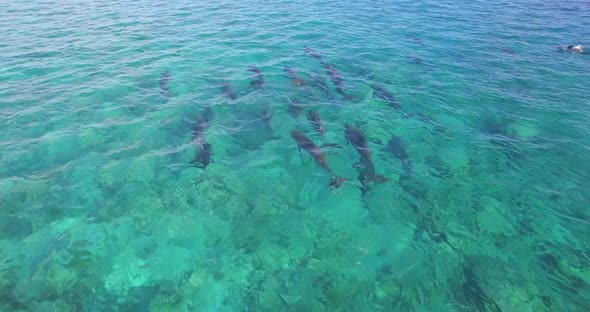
(148,159)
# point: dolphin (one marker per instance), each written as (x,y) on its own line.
(318,82)
(367,168)
(295,109)
(334,75)
(312,149)
(313,53)
(258,78)
(381,93)
(228,91)
(164,81)
(572,48)
(316,122)
(203,155)
(396,147)
(292,74)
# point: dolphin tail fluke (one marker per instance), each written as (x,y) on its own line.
(336,182)
(379,179)
(196,163)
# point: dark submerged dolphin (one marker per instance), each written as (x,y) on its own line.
(312,149)
(414,60)
(228,91)
(367,168)
(508,50)
(334,75)
(267,117)
(258,79)
(318,82)
(203,123)
(295,109)
(355,137)
(292,74)
(164,81)
(396,147)
(316,122)
(313,53)
(381,93)
(203,156)
(386,96)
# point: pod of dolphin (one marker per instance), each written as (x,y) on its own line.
(353,135)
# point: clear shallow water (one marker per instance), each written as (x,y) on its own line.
(101,210)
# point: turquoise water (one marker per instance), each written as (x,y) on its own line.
(110,200)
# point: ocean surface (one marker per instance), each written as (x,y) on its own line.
(294,156)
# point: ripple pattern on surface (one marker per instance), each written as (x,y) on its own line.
(488,157)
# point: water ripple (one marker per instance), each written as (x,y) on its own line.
(487,155)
